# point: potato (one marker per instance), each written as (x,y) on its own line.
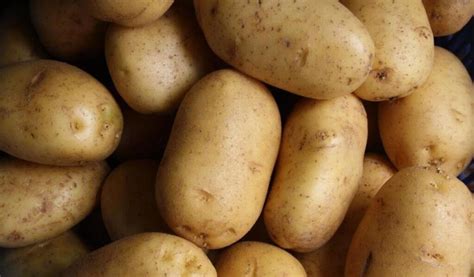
(318,170)
(46,259)
(212,182)
(17,37)
(251,258)
(39,202)
(66,30)
(329,260)
(432,126)
(316,49)
(447,16)
(472,245)
(418,224)
(76,120)
(146,254)
(155,65)
(403,46)
(128,203)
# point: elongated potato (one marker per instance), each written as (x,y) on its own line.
(403,46)
(39,202)
(214,176)
(433,126)
(251,258)
(448,16)
(44,259)
(54,113)
(314,48)
(318,170)
(146,254)
(417,225)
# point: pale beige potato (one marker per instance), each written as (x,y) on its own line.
(66,30)
(313,48)
(418,224)
(54,113)
(128,200)
(153,66)
(318,171)
(44,259)
(40,202)
(403,46)
(127,13)
(432,126)
(214,176)
(146,254)
(252,258)
(448,16)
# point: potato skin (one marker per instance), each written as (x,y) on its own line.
(316,49)
(257,258)
(418,224)
(146,254)
(66,30)
(212,182)
(403,46)
(39,202)
(127,201)
(76,120)
(318,170)
(432,126)
(448,16)
(155,65)
(46,259)
(127,13)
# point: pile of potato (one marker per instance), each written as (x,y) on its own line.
(234,138)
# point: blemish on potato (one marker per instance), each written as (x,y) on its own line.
(205,195)
(423,32)
(382,74)
(15,236)
(368,263)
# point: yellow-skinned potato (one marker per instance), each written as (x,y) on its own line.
(54,113)
(39,202)
(66,30)
(403,46)
(318,170)
(146,254)
(448,16)
(432,126)
(127,13)
(251,258)
(213,179)
(44,259)
(418,224)
(153,66)
(128,200)
(313,48)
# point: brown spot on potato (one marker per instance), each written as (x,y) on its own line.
(255,167)
(382,75)
(423,32)
(368,263)
(15,236)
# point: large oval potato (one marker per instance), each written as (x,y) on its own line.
(314,48)
(418,224)
(403,46)
(318,170)
(54,113)
(251,258)
(66,30)
(155,65)
(214,176)
(44,259)
(448,16)
(146,254)
(39,202)
(128,200)
(432,126)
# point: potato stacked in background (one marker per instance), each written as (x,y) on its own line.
(234,138)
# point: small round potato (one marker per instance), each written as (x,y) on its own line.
(127,13)
(433,125)
(54,113)
(146,254)
(448,16)
(44,259)
(251,258)
(128,200)
(39,202)
(66,30)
